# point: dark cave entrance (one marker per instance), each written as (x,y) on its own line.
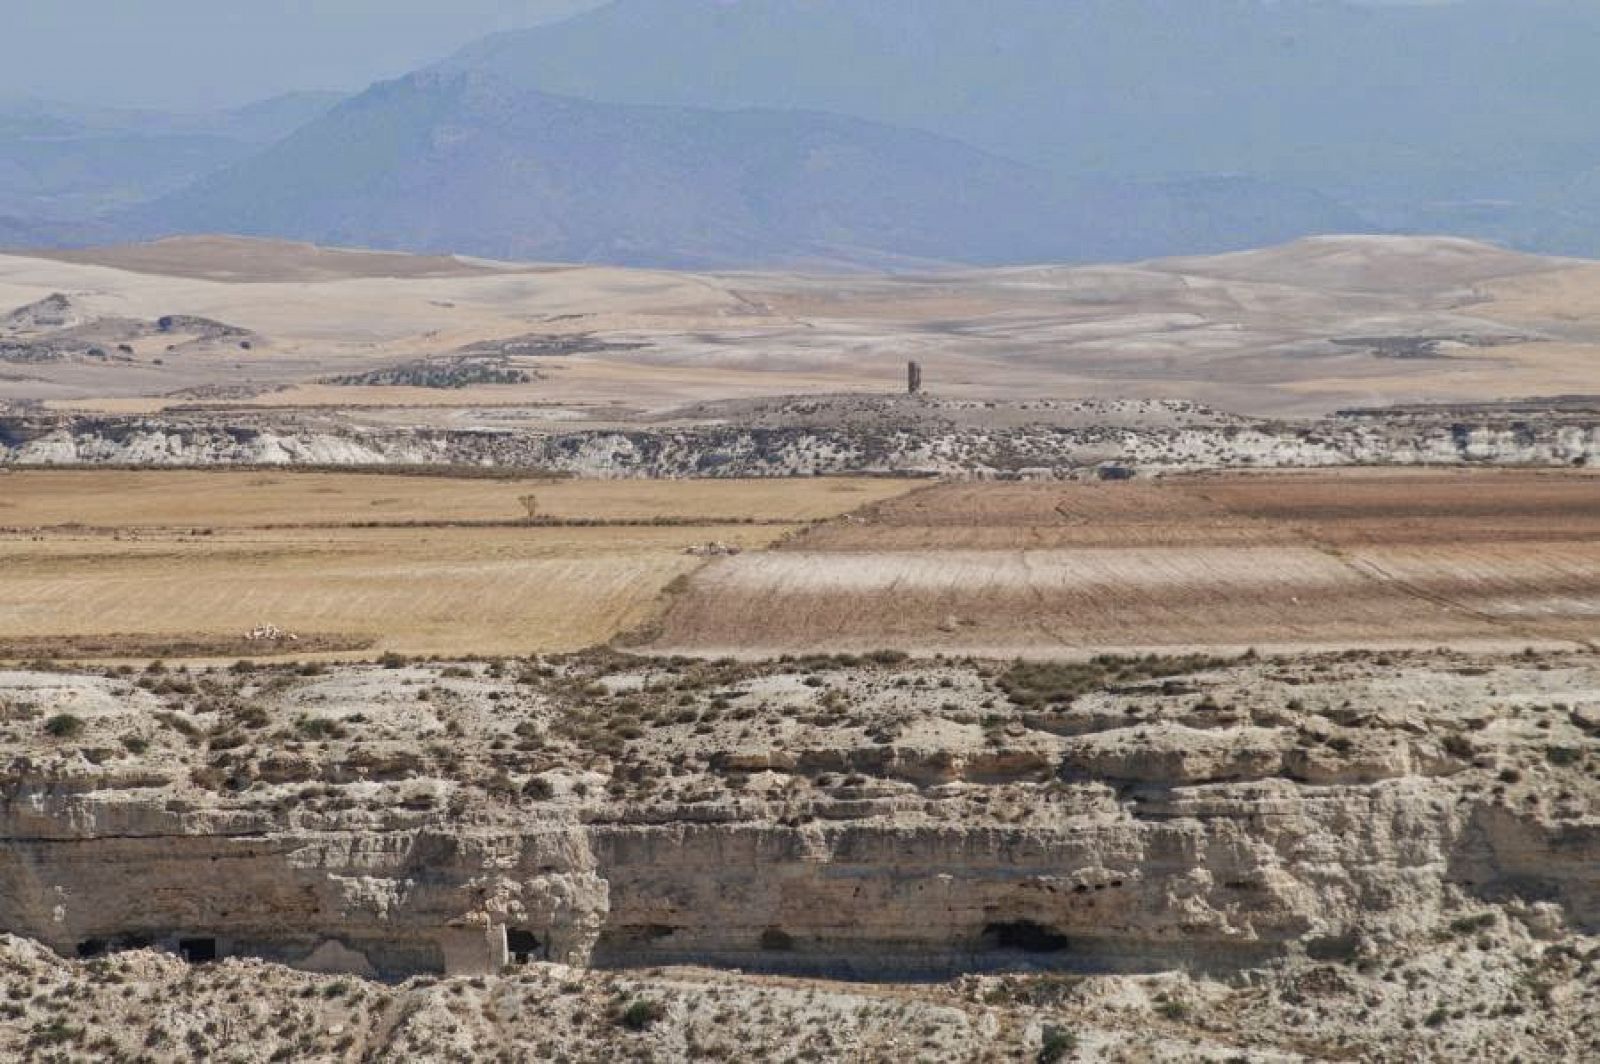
(523,946)
(99,946)
(197,950)
(1024,936)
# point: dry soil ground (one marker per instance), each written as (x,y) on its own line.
(191,557)
(1284,561)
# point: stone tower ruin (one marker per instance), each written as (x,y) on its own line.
(913,378)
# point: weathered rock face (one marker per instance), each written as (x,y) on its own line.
(820,816)
(384,903)
(1491,986)
(808,438)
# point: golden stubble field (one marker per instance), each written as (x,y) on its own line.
(195,555)
(253,499)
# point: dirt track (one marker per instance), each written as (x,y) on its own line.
(1274,561)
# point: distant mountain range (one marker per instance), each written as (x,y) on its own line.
(68,170)
(1469,116)
(468,162)
(714,133)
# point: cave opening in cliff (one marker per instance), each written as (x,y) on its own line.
(197,950)
(1025,936)
(523,946)
(98,947)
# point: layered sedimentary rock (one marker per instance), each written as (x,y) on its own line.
(814,816)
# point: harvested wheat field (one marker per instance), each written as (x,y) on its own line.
(1273,561)
(179,562)
(94,498)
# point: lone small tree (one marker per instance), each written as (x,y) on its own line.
(641,1014)
(64,726)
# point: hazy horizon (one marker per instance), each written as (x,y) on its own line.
(185,55)
(181,55)
(752,132)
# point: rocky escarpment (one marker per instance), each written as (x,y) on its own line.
(869,817)
(816,437)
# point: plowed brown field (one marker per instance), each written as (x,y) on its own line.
(1325,559)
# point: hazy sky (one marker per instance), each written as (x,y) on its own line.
(199,54)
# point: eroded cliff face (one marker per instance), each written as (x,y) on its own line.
(840,817)
(802,438)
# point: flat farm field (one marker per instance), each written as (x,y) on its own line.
(1273,561)
(110,564)
(93,498)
